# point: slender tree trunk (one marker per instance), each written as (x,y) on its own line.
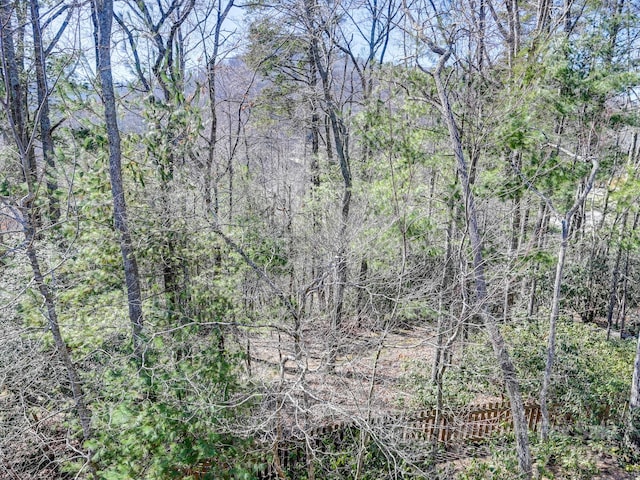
(212,65)
(444,303)
(555,310)
(632,432)
(84,414)
(613,290)
(314,133)
(338,130)
(555,303)
(622,310)
(509,293)
(625,281)
(314,126)
(16,108)
(104,15)
(51,314)
(497,341)
(537,242)
(45,120)
(16,112)
(211,201)
(327,141)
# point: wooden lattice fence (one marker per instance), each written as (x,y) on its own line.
(452,428)
(470,424)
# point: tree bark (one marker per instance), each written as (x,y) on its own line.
(104,15)
(444,301)
(84,414)
(212,65)
(634,402)
(45,120)
(555,303)
(339,136)
(613,290)
(551,346)
(497,341)
(16,108)
(632,432)
(622,313)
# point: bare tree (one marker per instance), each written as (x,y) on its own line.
(213,65)
(23,212)
(501,352)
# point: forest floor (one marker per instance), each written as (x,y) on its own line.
(370,375)
(608,469)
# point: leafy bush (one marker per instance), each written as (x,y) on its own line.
(590,382)
(171,418)
(561,457)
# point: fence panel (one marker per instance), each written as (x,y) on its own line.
(475,423)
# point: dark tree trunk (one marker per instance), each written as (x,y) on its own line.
(16,109)
(622,313)
(104,15)
(45,120)
(338,130)
(613,290)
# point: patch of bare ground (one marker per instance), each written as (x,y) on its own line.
(609,469)
(367,379)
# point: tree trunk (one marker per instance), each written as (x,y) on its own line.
(444,302)
(537,242)
(16,108)
(84,414)
(625,280)
(632,432)
(509,293)
(555,303)
(45,120)
(613,290)
(339,136)
(551,346)
(104,15)
(497,341)
(27,219)
(212,65)
(211,201)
